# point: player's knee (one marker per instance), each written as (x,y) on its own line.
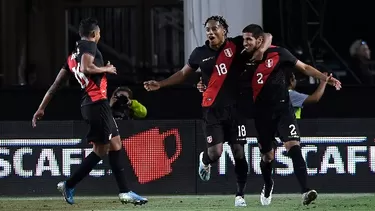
(238,151)
(289,144)
(268,157)
(214,152)
(115,144)
(101,149)
(239,156)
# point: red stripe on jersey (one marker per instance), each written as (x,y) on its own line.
(263,71)
(75,69)
(72,63)
(94,91)
(219,73)
(97,93)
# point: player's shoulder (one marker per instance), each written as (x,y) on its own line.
(85,46)
(278,49)
(86,43)
(238,40)
(199,51)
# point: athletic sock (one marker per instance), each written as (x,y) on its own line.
(241,168)
(116,160)
(299,166)
(84,169)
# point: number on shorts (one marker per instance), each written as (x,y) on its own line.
(221,69)
(241,131)
(293,131)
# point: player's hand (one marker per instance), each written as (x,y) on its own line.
(200,86)
(257,56)
(324,82)
(37,116)
(151,85)
(111,69)
(334,82)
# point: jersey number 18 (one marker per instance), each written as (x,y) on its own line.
(221,69)
(81,78)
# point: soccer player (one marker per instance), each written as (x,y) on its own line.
(88,68)
(221,63)
(273,111)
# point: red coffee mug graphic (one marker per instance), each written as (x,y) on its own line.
(147,154)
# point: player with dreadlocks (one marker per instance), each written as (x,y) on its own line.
(221,62)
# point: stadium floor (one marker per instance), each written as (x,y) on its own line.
(189,203)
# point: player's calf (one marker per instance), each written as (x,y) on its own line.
(266,165)
(116,161)
(241,169)
(300,170)
(299,165)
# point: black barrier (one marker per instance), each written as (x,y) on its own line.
(162,158)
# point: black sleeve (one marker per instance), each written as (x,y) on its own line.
(194,59)
(66,66)
(87,47)
(287,57)
(238,41)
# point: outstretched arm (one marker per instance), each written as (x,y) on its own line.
(174,79)
(311,71)
(178,77)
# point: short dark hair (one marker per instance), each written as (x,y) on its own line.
(255,29)
(87,26)
(125,89)
(221,21)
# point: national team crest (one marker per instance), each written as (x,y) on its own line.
(269,63)
(228,52)
(209,139)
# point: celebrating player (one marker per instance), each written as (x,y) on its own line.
(221,64)
(88,68)
(273,110)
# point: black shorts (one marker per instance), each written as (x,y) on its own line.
(272,122)
(223,125)
(102,125)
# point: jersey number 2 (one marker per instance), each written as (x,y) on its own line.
(260,78)
(221,69)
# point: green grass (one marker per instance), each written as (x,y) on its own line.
(280,202)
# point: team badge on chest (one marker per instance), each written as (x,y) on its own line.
(228,52)
(269,63)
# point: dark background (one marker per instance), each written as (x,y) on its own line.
(46,30)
